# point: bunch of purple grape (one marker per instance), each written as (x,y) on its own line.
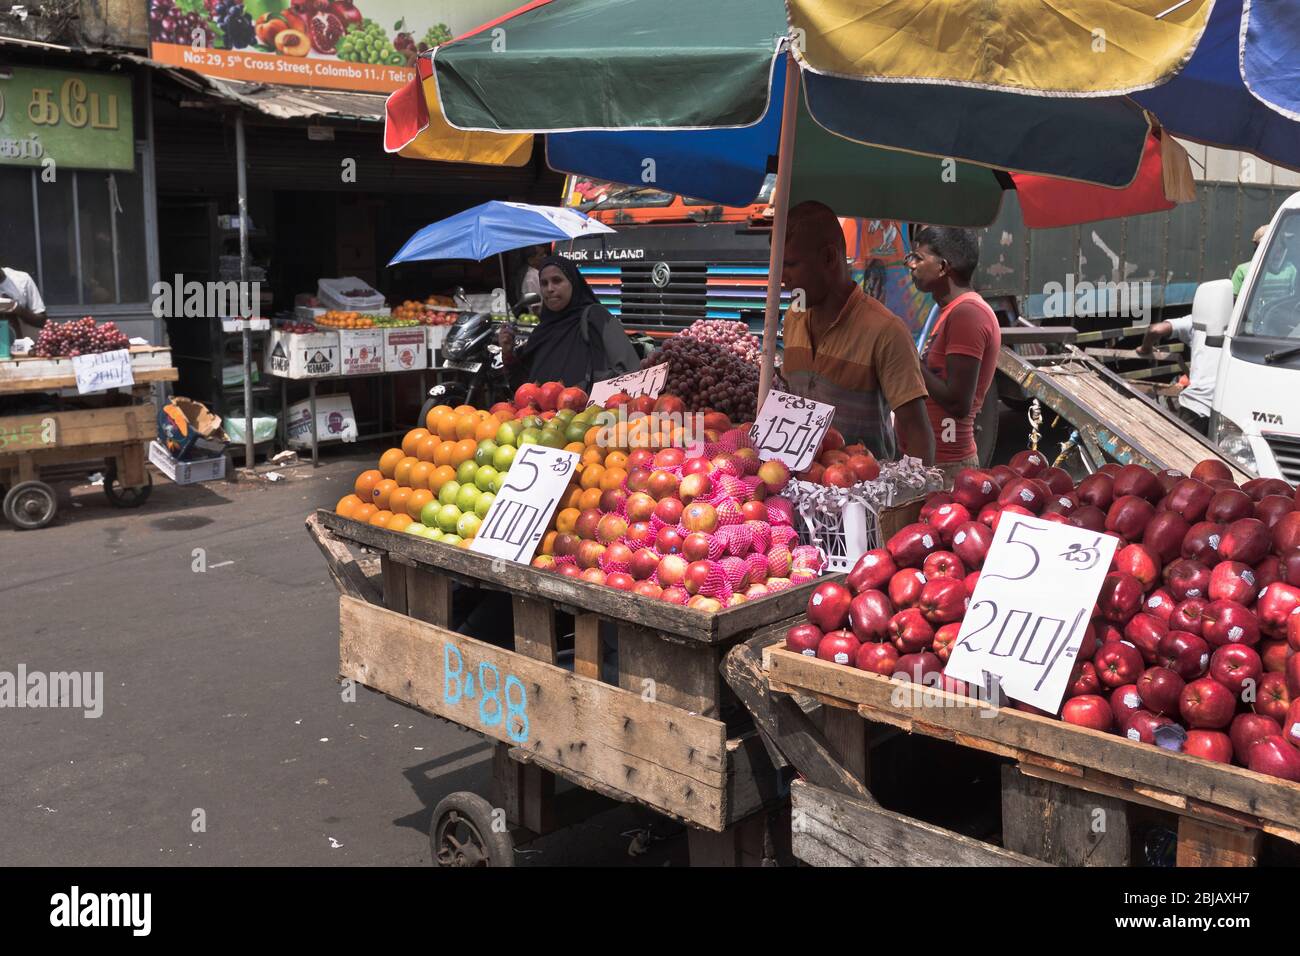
(734,336)
(708,374)
(235,23)
(78,337)
(169,24)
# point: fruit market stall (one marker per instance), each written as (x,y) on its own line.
(1161,713)
(83,395)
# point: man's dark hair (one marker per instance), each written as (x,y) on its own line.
(957,246)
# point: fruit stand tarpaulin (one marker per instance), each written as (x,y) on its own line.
(78,120)
(362,45)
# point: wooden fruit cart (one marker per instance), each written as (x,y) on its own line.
(36,447)
(665,732)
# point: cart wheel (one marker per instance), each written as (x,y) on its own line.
(122,497)
(461,834)
(30,504)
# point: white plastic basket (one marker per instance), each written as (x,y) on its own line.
(186,472)
(843,536)
(329,292)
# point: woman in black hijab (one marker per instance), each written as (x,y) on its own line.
(556,351)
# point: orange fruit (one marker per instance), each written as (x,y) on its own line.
(397,500)
(464,409)
(593,456)
(464,452)
(548,542)
(412,440)
(616,459)
(427,447)
(446,425)
(487,428)
(416,502)
(420,473)
(380,493)
(566,520)
(444,453)
(347,504)
(388,461)
(612,478)
(402,473)
(441,475)
(366,482)
(572,495)
(575,446)
(590,499)
(380,518)
(591,475)
(592,435)
(465,425)
(398,521)
(364,512)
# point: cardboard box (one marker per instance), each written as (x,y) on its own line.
(334,420)
(187,431)
(406,350)
(361,351)
(292,355)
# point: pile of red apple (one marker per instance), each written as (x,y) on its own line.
(1197,624)
(540,400)
(707,531)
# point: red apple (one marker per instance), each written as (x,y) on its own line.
(699,465)
(1142,725)
(694,486)
(1207,704)
(1288,567)
(905,587)
(644,564)
(910,632)
(590,555)
(1028,463)
(1160,603)
(696,546)
(1120,597)
(1233,665)
(945,639)
(1233,581)
(1184,652)
(828,606)
(1083,680)
(1286,533)
(943,600)
(648,589)
(1210,468)
(707,604)
(878,658)
(872,571)
(1202,541)
(1089,518)
(697,574)
(620,581)
(1187,615)
(1137,480)
(1291,724)
(1227,622)
(1209,745)
(946,519)
(669,540)
(869,615)
(753,511)
(1248,729)
(674,595)
(909,546)
(698,516)
(1165,533)
(611,528)
(1139,561)
(1061,504)
(1274,654)
(1273,509)
(1229,505)
(1090,710)
(1025,493)
(970,543)
(1189,498)
(1144,632)
(943,564)
(1186,578)
(1059,480)
(1160,689)
(1275,757)
(613,500)
(593,576)
(1246,540)
(1097,490)
(971,580)
(1128,517)
(1169,477)
(1275,604)
(1089,643)
(973,489)
(917,667)
(1125,701)
(839,647)
(1118,663)
(568,570)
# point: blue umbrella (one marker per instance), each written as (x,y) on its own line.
(1241,88)
(493,228)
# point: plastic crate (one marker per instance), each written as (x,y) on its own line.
(843,536)
(186,472)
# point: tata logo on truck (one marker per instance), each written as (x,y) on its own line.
(1267,418)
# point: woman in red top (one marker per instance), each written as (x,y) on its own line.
(960,359)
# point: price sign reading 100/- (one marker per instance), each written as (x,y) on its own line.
(790,429)
(518,517)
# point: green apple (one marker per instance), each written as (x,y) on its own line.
(467,498)
(448,516)
(530,436)
(502,459)
(497,483)
(577,431)
(508,434)
(452,539)
(565,414)
(465,473)
(434,534)
(448,492)
(416,528)
(483,477)
(468,525)
(486,449)
(429,514)
(484,503)
(553,438)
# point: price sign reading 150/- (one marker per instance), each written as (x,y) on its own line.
(518,517)
(790,429)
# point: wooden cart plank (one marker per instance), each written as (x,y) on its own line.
(1062,825)
(686,623)
(1201,843)
(831,829)
(586,646)
(49,431)
(348,575)
(658,754)
(676,674)
(56,383)
(1219,784)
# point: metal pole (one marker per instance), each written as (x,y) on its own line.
(781,206)
(505,291)
(241,161)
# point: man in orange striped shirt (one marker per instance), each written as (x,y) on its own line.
(846,349)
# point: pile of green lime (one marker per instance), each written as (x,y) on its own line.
(367,42)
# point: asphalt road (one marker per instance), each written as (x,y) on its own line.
(224,737)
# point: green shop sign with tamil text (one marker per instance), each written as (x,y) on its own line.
(78,120)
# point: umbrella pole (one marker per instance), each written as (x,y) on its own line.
(781,206)
(501,261)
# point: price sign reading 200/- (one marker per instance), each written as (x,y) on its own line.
(790,429)
(518,517)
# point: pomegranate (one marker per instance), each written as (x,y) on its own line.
(325,30)
(346,11)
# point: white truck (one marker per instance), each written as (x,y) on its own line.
(1256,409)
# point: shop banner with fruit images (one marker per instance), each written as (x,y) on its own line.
(360,45)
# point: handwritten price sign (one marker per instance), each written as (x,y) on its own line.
(648,381)
(790,429)
(518,517)
(101,371)
(1030,608)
